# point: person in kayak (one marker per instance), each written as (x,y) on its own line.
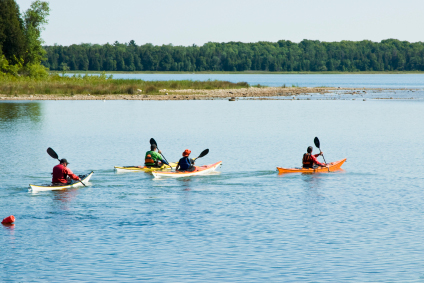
(185,163)
(62,174)
(310,160)
(153,158)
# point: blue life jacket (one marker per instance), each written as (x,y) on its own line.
(185,163)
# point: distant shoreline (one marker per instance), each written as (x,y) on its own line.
(202,94)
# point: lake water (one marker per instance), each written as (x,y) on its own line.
(302,80)
(243,224)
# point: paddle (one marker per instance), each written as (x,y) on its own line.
(54,155)
(317,144)
(205,152)
(152,141)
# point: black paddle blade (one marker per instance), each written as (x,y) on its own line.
(316,141)
(205,152)
(52,153)
(152,141)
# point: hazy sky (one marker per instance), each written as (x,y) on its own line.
(188,22)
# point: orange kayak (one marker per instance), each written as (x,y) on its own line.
(333,166)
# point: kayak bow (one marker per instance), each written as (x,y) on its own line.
(333,166)
(200,170)
(50,187)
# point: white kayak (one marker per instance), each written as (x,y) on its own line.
(51,187)
(199,170)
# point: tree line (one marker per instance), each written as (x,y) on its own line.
(281,56)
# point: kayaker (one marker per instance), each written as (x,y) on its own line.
(185,163)
(61,173)
(310,160)
(153,158)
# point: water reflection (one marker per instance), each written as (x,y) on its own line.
(311,181)
(186,184)
(65,197)
(9,226)
(16,111)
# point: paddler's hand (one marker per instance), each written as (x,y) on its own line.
(160,152)
(321,153)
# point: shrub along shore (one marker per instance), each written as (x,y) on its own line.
(101,85)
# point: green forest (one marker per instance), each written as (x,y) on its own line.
(21,50)
(281,56)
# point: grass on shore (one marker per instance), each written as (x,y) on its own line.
(102,84)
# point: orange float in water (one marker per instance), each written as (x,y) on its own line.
(8,220)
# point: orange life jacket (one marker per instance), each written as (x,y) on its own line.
(307,161)
(149,159)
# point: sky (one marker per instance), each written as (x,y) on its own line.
(187,22)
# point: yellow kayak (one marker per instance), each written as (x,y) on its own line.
(145,168)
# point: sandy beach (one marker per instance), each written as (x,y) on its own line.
(195,94)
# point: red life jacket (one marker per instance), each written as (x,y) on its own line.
(307,161)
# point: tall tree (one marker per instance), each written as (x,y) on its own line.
(12,41)
(34,19)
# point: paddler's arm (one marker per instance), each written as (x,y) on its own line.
(160,157)
(314,158)
(72,175)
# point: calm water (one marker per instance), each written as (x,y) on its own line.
(244,224)
(345,80)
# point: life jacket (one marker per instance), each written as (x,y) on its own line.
(185,164)
(307,161)
(149,159)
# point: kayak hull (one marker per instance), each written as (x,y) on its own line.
(333,166)
(124,169)
(74,184)
(200,170)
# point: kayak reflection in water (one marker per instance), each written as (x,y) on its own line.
(185,163)
(62,174)
(153,158)
(310,160)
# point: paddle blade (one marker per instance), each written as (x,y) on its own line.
(316,141)
(52,153)
(152,141)
(205,152)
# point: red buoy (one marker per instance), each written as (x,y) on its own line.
(8,220)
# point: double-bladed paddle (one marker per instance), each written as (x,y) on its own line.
(203,153)
(152,141)
(54,155)
(317,144)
